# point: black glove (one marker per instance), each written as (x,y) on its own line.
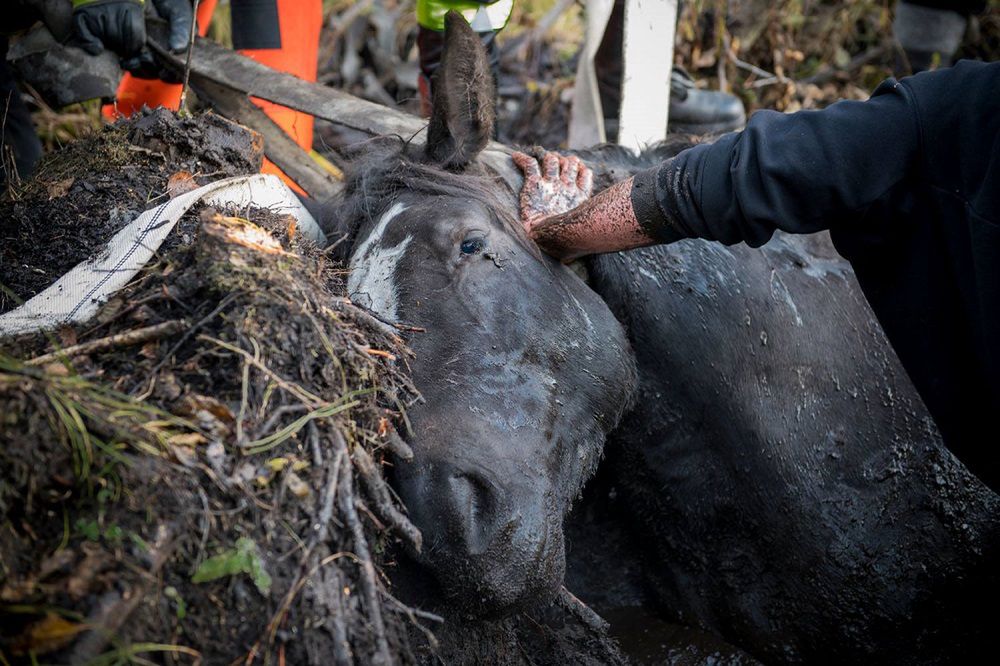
(179,15)
(118,25)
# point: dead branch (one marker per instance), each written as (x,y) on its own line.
(383,503)
(397,446)
(108,619)
(369,581)
(134,337)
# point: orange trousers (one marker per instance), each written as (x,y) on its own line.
(299,23)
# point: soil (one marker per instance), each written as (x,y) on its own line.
(85,193)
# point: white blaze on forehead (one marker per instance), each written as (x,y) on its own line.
(371,283)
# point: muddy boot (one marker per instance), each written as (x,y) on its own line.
(929,36)
(430,44)
(695,111)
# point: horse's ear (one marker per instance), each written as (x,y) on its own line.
(463,88)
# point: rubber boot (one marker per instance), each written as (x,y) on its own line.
(19,140)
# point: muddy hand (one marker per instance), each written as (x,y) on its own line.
(553,187)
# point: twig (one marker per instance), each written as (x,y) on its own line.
(754,69)
(326,503)
(366,317)
(384,506)
(312,432)
(371,318)
(275,415)
(397,446)
(582,611)
(369,583)
(187,63)
(302,394)
(335,621)
(184,338)
(874,53)
(412,614)
(346,19)
(108,618)
(133,337)
(207,520)
(536,34)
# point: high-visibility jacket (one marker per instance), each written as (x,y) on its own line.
(482,15)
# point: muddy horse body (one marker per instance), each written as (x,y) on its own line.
(791,490)
(793,493)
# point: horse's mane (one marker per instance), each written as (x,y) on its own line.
(381,168)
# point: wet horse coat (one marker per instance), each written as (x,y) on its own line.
(791,491)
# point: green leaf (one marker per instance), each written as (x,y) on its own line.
(89,529)
(244,558)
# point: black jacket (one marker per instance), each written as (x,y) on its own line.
(908,183)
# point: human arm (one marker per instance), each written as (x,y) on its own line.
(800,172)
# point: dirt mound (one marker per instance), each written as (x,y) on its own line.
(86,192)
(196,474)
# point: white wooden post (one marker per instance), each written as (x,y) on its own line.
(648,61)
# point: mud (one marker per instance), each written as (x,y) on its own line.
(85,193)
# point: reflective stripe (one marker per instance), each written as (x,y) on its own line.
(482,18)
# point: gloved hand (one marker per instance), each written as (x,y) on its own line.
(179,15)
(118,25)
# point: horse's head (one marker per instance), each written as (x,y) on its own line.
(522,368)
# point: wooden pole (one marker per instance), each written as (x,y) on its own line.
(650,27)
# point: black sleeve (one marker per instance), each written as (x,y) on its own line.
(800,172)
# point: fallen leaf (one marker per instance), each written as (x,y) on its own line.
(47,635)
(180,183)
(196,402)
(297,486)
(244,558)
(291,224)
(187,439)
(59,188)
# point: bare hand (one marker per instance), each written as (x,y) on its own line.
(559,185)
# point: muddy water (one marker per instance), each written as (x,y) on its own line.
(648,640)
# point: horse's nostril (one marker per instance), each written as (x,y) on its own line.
(475,498)
(472,493)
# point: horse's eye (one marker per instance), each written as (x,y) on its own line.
(472,245)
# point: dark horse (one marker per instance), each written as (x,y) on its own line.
(793,494)
(523,369)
